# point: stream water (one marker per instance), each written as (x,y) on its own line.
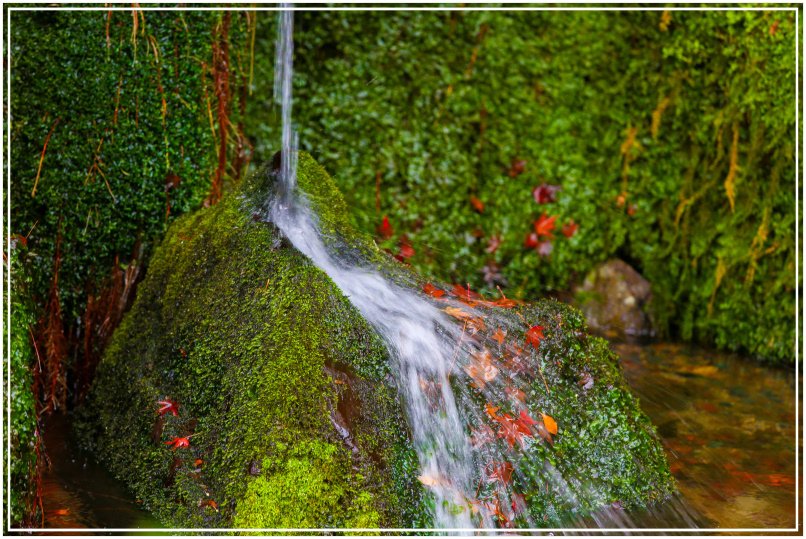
(727,425)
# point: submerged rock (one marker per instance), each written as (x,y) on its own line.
(286,409)
(613,299)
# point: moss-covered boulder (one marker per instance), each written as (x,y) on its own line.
(279,404)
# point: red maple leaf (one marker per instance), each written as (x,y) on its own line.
(534,335)
(178,442)
(477,204)
(531,241)
(525,423)
(500,471)
(570,228)
(509,430)
(544,225)
(433,291)
(465,295)
(545,193)
(168,405)
(385,228)
(406,250)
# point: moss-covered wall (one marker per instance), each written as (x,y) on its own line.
(671,134)
(116,129)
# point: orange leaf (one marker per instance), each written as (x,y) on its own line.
(551,425)
(499,336)
(456,312)
(432,480)
(482,370)
(433,291)
(477,204)
(492,411)
(544,225)
(209,503)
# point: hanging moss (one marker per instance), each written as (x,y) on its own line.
(672,135)
(287,394)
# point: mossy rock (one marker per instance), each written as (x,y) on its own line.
(289,396)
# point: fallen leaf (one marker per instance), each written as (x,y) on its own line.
(477,204)
(465,295)
(61,512)
(544,225)
(458,313)
(385,228)
(500,471)
(481,369)
(433,291)
(515,394)
(534,335)
(492,244)
(499,336)
(168,405)
(531,241)
(209,503)
(545,193)
(431,480)
(178,442)
(406,250)
(570,228)
(525,422)
(492,411)
(551,425)
(517,167)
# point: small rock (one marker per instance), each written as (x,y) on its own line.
(613,299)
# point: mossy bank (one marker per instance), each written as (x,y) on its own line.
(287,399)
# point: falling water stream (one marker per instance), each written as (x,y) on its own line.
(419,336)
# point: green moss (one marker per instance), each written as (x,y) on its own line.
(303,488)
(18,365)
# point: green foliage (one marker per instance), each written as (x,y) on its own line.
(113,147)
(22,436)
(633,114)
